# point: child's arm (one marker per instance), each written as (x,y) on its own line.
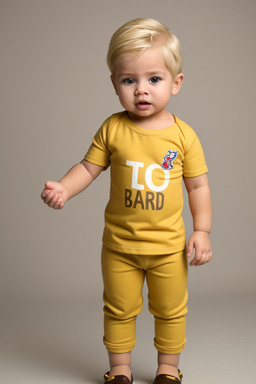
(200,203)
(79,177)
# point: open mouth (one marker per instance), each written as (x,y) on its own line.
(143,105)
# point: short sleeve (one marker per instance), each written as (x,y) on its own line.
(194,163)
(98,152)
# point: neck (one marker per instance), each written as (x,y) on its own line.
(153,122)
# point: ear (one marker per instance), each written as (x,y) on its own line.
(177,84)
(114,83)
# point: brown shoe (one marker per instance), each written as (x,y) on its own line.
(118,379)
(168,379)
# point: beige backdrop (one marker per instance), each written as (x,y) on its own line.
(55,93)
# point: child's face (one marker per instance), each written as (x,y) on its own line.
(143,83)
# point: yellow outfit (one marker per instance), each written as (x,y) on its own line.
(144,232)
(123,277)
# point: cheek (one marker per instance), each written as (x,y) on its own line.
(165,94)
(124,95)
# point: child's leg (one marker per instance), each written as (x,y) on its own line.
(167,283)
(168,364)
(123,282)
(120,364)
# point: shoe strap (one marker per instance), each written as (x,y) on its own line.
(108,379)
(173,378)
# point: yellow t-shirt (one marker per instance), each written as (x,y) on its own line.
(144,212)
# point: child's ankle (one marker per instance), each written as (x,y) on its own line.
(120,370)
(120,364)
(165,369)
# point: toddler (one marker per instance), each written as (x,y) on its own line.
(150,152)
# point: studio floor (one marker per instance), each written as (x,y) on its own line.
(61,342)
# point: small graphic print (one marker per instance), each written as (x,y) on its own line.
(168,159)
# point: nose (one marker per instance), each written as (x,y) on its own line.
(141,88)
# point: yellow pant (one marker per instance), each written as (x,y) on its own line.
(123,277)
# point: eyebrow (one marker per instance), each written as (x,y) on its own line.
(151,73)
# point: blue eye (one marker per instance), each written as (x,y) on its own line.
(154,79)
(128,81)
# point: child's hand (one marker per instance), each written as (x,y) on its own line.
(203,250)
(54,194)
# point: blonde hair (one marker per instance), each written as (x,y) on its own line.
(140,34)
